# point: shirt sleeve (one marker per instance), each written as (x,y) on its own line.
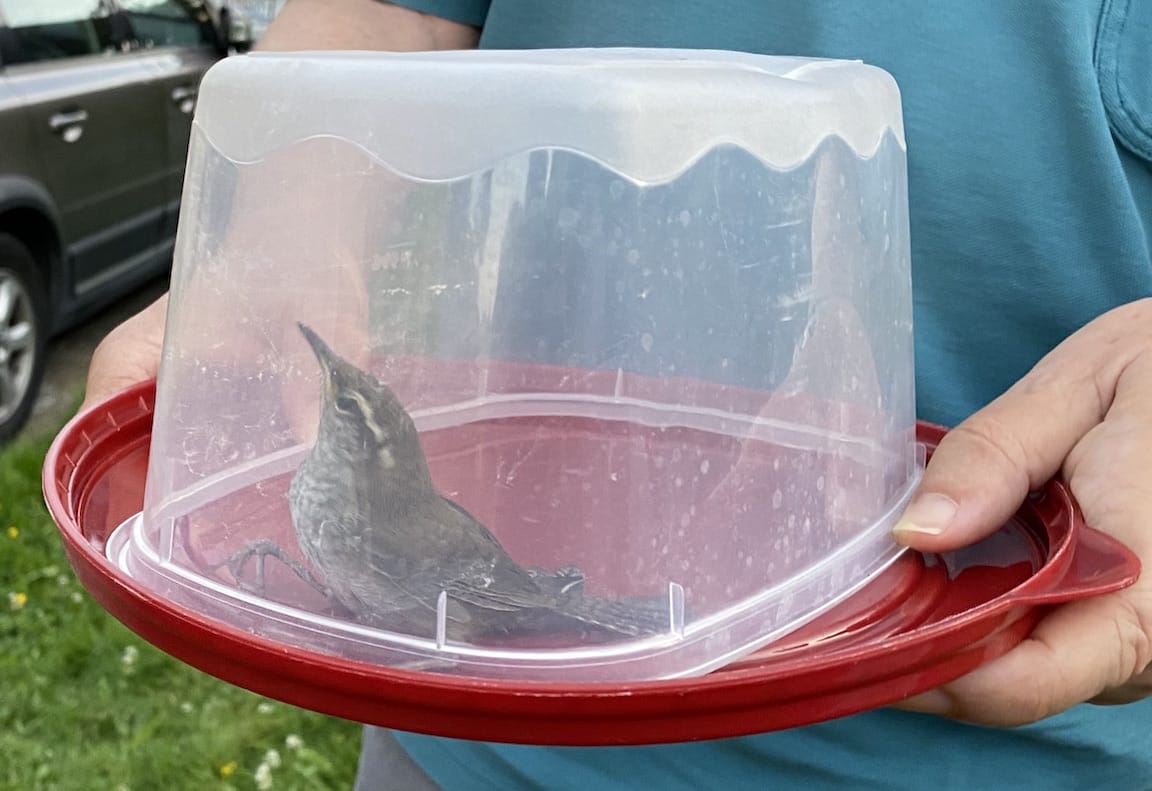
(468,12)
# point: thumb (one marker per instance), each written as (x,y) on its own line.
(984,468)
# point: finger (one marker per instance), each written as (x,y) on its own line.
(985,467)
(1108,471)
(1108,475)
(1070,657)
(1137,688)
(130,353)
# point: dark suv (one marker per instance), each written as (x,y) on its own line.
(96,102)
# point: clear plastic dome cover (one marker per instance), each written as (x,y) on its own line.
(571,365)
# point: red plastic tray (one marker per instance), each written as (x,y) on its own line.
(925,621)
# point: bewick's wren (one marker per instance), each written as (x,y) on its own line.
(385,543)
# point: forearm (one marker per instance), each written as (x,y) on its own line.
(362,25)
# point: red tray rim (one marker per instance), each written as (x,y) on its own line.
(723,703)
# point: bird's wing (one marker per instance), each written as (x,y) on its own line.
(470,525)
(488,574)
(441,547)
(487,587)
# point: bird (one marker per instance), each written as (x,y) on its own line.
(381,540)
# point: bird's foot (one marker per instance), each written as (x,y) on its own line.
(261,549)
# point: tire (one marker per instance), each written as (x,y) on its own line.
(23,334)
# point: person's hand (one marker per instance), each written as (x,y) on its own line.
(1084,411)
(128,354)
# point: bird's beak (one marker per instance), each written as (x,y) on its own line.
(328,358)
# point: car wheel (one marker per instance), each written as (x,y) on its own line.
(23,330)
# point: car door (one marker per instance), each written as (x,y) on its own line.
(179,40)
(102,147)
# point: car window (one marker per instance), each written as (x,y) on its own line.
(39,30)
(170,23)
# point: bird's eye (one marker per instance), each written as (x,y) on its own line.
(347,405)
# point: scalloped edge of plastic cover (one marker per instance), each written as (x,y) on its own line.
(648,114)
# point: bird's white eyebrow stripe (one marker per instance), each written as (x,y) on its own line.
(382,435)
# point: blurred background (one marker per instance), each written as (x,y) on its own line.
(258,12)
(96,104)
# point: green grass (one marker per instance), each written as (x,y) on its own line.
(85,704)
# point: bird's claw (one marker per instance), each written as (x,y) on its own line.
(261,549)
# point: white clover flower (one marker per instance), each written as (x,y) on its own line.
(265,708)
(263,777)
(272,758)
(128,658)
(293,742)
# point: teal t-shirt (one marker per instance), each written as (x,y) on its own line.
(1029,132)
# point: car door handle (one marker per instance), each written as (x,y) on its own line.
(69,125)
(184,97)
(61,120)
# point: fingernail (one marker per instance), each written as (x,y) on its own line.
(928,514)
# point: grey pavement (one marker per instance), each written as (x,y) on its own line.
(69,354)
